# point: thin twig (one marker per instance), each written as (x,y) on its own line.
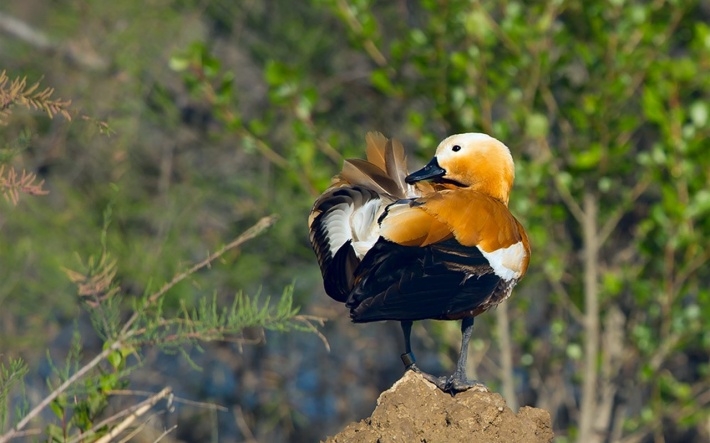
(20,30)
(500,34)
(695,263)
(242,424)
(559,288)
(309,321)
(174,399)
(355,26)
(271,155)
(141,409)
(135,431)
(111,419)
(562,190)
(28,433)
(166,432)
(614,219)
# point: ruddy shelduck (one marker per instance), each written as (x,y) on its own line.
(439,243)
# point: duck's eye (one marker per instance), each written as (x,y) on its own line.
(456,148)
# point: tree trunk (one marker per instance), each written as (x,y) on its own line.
(588,408)
(506,356)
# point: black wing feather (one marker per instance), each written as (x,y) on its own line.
(338,274)
(396,282)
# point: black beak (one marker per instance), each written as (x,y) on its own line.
(431,171)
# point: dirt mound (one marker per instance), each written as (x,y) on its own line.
(414,410)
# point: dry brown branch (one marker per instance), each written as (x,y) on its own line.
(165,433)
(107,421)
(310,322)
(77,52)
(243,426)
(22,31)
(185,401)
(135,431)
(29,433)
(137,411)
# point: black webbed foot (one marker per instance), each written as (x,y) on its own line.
(438,381)
(452,384)
(459,383)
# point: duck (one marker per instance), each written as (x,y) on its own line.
(439,243)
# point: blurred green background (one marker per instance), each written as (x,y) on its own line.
(192,119)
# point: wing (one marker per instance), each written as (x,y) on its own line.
(343,227)
(478,220)
(405,223)
(439,281)
(343,222)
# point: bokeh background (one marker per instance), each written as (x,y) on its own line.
(192,119)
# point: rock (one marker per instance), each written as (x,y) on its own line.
(414,410)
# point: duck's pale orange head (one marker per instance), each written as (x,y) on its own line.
(472,161)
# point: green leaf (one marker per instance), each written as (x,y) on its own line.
(700,204)
(57,406)
(476,24)
(699,113)
(574,351)
(537,125)
(652,106)
(178,63)
(115,359)
(276,73)
(588,158)
(381,81)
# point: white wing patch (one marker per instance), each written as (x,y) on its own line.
(364,225)
(336,226)
(343,223)
(506,262)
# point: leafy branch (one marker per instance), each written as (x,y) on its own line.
(17,92)
(13,184)
(148,325)
(11,375)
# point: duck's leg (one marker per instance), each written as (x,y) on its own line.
(410,362)
(458,381)
(408,356)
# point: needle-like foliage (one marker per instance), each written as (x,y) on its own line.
(18,92)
